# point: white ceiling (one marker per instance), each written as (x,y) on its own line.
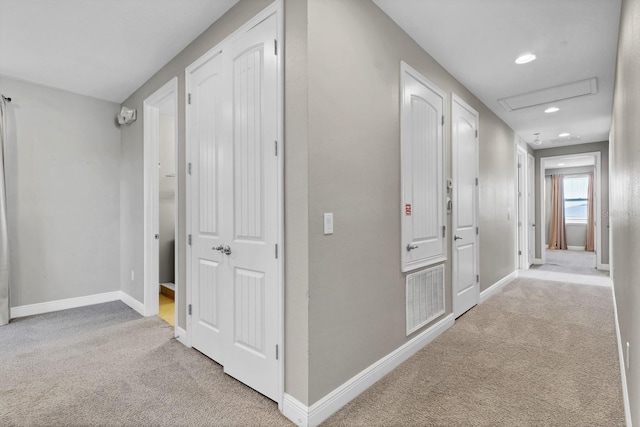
(570,161)
(109,48)
(101,48)
(478,41)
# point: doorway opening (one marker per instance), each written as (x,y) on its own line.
(160,207)
(570,196)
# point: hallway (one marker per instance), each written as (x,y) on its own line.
(539,352)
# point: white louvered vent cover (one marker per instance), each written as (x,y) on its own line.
(425,297)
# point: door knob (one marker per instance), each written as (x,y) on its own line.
(226,250)
(219,248)
(457,238)
(411,247)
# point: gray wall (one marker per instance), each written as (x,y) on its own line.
(131,174)
(357,297)
(625,194)
(603,148)
(166,200)
(344,294)
(62,165)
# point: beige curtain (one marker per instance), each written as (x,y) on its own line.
(589,246)
(557,228)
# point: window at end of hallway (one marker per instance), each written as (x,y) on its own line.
(576,189)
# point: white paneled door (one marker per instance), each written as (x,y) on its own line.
(232,134)
(464,138)
(423,188)
(531,211)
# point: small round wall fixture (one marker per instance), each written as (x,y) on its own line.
(564,135)
(551,110)
(525,58)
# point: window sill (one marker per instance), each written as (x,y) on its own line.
(575,221)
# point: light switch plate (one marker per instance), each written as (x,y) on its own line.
(328,223)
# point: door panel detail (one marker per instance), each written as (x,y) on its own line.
(423,189)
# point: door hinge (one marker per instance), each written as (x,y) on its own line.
(276,251)
(275,143)
(189,168)
(519,252)
(519,165)
(189,309)
(476,133)
(189,98)
(156,236)
(189,238)
(444,231)
(476,182)
(442,120)
(277,352)
(477,230)
(478,278)
(275,46)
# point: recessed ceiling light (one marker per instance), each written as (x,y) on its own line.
(527,57)
(561,164)
(551,110)
(564,134)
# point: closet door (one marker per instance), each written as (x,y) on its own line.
(232,126)
(423,183)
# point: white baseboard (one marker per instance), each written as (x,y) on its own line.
(132,302)
(604,267)
(625,389)
(312,416)
(575,248)
(295,410)
(63,304)
(181,335)
(538,261)
(484,295)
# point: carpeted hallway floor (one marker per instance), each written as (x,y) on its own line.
(575,262)
(537,353)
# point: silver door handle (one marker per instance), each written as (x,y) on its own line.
(411,247)
(457,238)
(224,249)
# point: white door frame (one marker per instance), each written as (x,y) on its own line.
(531,210)
(522,220)
(166,96)
(277,8)
(598,195)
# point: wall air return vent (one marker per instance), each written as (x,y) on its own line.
(549,95)
(425,297)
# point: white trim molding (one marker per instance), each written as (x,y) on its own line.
(575,248)
(625,389)
(538,261)
(484,295)
(181,335)
(132,302)
(605,267)
(312,416)
(63,304)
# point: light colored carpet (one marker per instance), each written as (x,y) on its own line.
(575,262)
(536,354)
(104,365)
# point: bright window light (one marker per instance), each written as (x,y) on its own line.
(575,198)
